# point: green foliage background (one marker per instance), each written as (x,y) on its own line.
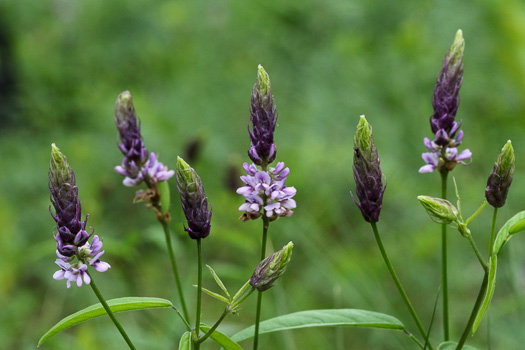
(190,67)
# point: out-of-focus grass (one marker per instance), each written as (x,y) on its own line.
(190,68)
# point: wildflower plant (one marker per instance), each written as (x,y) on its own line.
(267,197)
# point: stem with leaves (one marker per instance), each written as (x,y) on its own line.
(109,312)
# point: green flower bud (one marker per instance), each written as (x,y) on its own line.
(456,51)
(271,268)
(440,210)
(59,169)
(264,87)
(500,179)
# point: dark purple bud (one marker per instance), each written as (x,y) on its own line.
(446,100)
(263,120)
(194,200)
(131,144)
(367,173)
(500,179)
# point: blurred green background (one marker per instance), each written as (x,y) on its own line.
(190,67)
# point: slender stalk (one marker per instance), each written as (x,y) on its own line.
(188,326)
(444,266)
(199,295)
(214,327)
(266,223)
(398,283)
(110,313)
(493,231)
(174,268)
(475,309)
(478,254)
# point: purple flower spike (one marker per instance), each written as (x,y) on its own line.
(263,120)
(72,238)
(131,144)
(442,122)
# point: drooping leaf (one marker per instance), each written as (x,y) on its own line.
(451,345)
(514,225)
(488,294)
(116,305)
(185,341)
(323,318)
(221,338)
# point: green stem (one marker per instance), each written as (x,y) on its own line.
(214,327)
(493,231)
(109,312)
(477,305)
(478,254)
(266,223)
(188,326)
(199,296)
(174,268)
(444,267)
(398,283)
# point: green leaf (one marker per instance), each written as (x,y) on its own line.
(164,190)
(218,280)
(451,345)
(323,318)
(215,295)
(514,225)
(517,227)
(221,339)
(488,294)
(185,341)
(116,305)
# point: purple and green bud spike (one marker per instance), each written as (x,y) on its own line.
(500,179)
(443,153)
(137,165)
(263,120)
(194,200)
(440,210)
(271,268)
(367,173)
(71,237)
(131,144)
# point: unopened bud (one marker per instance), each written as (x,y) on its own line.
(500,179)
(440,210)
(271,268)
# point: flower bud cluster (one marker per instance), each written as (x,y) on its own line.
(500,179)
(265,191)
(443,154)
(71,237)
(271,268)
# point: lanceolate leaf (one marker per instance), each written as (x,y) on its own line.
(323,318)
(222,339)
(489,293)
(514,225)
(116,305)
(185,341)
(451,345)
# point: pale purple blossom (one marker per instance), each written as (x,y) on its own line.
(266,191)
(153,170)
